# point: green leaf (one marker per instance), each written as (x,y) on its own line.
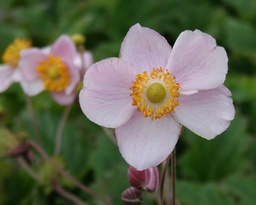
(189,193)
(216,159)
(243,188)
(243,87)
(47,174)
(8,142)
(240,35)
(110,169)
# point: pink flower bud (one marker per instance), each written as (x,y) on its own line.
(132,196)
(144,180)
(19,150)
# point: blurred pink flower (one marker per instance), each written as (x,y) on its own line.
(53,69)
(87,59)
(10,71)
(153,89)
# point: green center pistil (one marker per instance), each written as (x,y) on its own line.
(53,72)
(156,93)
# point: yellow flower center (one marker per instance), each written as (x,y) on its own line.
(155,94)
(54,73)
(12,53)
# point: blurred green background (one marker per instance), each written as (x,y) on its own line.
(217,172)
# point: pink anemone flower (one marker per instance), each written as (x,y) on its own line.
(151,90)
(54,71)
(10,70)
(87,60)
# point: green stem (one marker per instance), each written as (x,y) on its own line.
(81,50)
(110,133)
(67,176)
(165,168)
(33,119)
(67,195)
(173,161)
(60,129)
(28,169)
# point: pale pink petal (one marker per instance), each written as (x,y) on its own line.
(32,88)
(6,73)
(63,99)
(16,77)
(64,48)
(145,49)
(105,98)
(88,60)
(74,74)
(197,62)
(30,59)
(144,143)
(46,50)
(207,113)
(188,92)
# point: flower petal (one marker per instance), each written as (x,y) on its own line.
(105,98)
(64,48)
(207,113)
(88,60)
(6,77)
(197,62)
(16,77)
(32,88)
(29,62)
(74,74)
(145,49)
(62,98)
(144,143)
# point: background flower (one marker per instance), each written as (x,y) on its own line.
(55,71)
(10,71)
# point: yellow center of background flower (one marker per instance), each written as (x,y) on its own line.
(155,94)
(54,73)
(11,55)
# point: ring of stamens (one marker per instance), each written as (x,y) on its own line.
(11,55)
(154,106)
(54,73)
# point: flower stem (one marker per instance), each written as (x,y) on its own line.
(67,195)
(173,161)
(28,169)
(81,50)
(167,190)
(33,119)
(67,176)
(171,157)
(60,128)
(110,133)
(165,168)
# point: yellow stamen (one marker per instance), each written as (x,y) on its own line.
(12,53)
(155,94)
(54,73)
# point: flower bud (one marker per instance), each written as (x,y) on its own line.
(78,39)
(12,145)
(147,180)
(19,150)
(132,196)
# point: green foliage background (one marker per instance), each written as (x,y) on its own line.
(217,172)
